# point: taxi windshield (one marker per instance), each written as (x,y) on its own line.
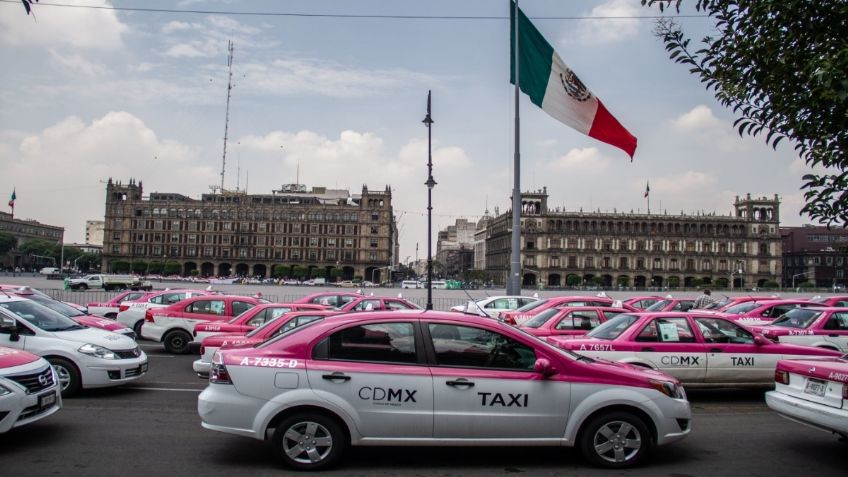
(717,304)
(532,305)
(541,318)
(797,318)
(265,325)
(658,306)
(282,335)
(54,305)
(611,329)
(742,308)
(41,316)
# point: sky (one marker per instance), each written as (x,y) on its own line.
(326,93)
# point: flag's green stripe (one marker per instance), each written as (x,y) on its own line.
(536,56)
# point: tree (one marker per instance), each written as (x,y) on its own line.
(573,280)
(172,268)
(140,267)
(780,65)
(7,243)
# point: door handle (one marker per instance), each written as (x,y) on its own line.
(335,376)
(647,349)
(716,350)
(461,382)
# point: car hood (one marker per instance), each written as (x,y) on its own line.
(10,357)
(96,336)
(102,323)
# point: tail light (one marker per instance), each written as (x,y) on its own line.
(219,373)
(123,308)
(202,350)
(845,391)
(148,316)
(782,377)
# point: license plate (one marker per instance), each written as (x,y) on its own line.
(816,387)
(46,400)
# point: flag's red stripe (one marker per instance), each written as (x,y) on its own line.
(607,129)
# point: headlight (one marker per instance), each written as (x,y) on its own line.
(97,351)
(669,389)
(4,390)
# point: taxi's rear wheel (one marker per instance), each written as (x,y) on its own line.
(137,327)
(615,440)
(177,342)
(309,441)
(68,375)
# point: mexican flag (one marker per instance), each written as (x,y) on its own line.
(555,88)
(12,199)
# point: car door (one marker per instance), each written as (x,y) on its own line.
(484,387)
(376,373)
(732,354)
(836,329)
(671,346)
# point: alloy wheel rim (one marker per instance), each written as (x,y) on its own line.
(307,442)
(617,442)
(64,376)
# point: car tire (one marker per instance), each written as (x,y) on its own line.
(615,440)
(82,287)
(137,327)
(68,374)
(177,341)
(309,441)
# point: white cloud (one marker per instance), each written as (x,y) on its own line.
(703,127)
(691,182)
(90,28)
(77,64)
(609,30)
(587,160)
(208,38)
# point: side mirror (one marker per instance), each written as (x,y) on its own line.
(544,367)
(760,340)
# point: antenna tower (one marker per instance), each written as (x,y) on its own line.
(227,118)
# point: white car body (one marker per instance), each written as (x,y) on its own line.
(493,305)
(813,392)
(133,316)
(95,372)
(162,324)
(28,391)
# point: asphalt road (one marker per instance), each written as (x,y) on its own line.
(151,428)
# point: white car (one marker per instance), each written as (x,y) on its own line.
(493,305)
(83,357)
(415,377)
(813,392)
(133,314)
(29,388)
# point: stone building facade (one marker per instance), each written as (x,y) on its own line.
(236,234)
(564,248)
(815,255)
(24,230)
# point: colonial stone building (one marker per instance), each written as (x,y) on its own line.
(331,232)
(815,255)
(24,230)
(560,248)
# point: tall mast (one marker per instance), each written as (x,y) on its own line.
(227,118)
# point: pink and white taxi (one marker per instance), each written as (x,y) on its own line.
(762,312)
(29,388)
(569,320)
(173,325)
(516,317)
(247,321)
(335,299)
(277,326)
(110,309)
(74,313)
(435,378)
(131,313)
(82,357)
(813,392)
(814,326)
(699,350)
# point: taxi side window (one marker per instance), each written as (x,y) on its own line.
(258,318)
(206,307)
(667,330)
(240,307)
(171,298)
(299,321)
(368,305)
(723,331)
(469,347)
(579,320)
(132,297)
(381,342)
(837,321)
(396,305)
(608,315)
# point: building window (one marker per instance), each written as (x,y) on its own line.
(622,263)
(348,242)
(554,262)
(375,216)
(572,262)
(313,241)
(374,230)
(657,264)
(313,255)
(373,243)
(331,254)
(372,256)
(331,242)
(116,248)
(589,262)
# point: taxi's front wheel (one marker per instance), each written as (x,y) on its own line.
(309,441)
(615,440)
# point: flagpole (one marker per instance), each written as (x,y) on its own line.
(513,282)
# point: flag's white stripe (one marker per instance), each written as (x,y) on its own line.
(577,114)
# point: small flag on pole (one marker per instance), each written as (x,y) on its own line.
(647,189)
(12,199)
(555,88)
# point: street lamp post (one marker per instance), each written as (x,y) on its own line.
(798,275)
(428,121)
